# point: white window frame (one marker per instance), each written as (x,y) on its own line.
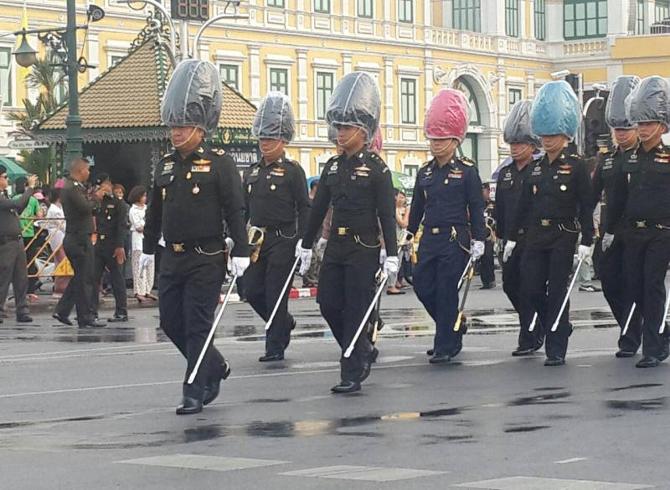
(415,79)
(11,75)
(286,68)
(316,71)
(518,88)
(372,9)
(238,67)
(413,17)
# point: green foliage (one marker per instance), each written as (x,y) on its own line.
(48,79)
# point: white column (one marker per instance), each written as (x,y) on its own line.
(387,19)
(493,17)
(617,17)
(305,162)
(523,28)
(428,68)
(93,55)
(346,63)
(554,20)
(253,11)
(388,98)
(255,72)
(427,19)
(530,85)
(502,95)
(531,25)
(390,159)
(302,92)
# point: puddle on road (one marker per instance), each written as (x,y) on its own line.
(636,387)
(545,399)
(525,428)
(638,405)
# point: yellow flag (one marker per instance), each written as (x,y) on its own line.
(23,72)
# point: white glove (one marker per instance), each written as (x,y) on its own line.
(509,248)
(321,245)
(298,247)
(229,244)
(583,252)
(305,255)
(146,260)
(476,249)
(391,265)
(239,265)
(607,241)
(382,256)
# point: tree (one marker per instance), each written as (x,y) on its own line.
(48,78)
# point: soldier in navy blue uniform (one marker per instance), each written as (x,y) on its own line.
(609,170)
(511,179)
(195,188)
(358,185)
(277,201)
(448,201)
(641,207)
(555,206)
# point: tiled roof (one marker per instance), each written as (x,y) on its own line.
(128,96)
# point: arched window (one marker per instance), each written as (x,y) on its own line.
(464,86)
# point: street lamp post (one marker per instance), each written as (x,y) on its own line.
(63,41)
(74,140)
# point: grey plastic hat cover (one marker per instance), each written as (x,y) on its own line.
(615,111)
(517,125)
(193,96)
(649,101)
(355,102)
(274,118)
(332,134)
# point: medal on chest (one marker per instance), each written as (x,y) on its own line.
(196,189)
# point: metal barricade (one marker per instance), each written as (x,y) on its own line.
(44,257)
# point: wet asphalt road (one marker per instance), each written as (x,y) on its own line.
(95,409)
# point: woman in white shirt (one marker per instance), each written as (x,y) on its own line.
(143,278)
(55,225)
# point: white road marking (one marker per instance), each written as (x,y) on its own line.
(199,462)
(571,460)
(535,483)
(362,473)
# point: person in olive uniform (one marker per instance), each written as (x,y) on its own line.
(78,207)
(110,224)
(12,252)
(194,190)
(640,205)
(276,197)
(448,200)
(555,202)
(609,170)
(511,180)
(358,185)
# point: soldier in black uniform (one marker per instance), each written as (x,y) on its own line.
(78,207)
(609,170)
(486,263)
(448,200)
(555,201)
(358,186)
(110,224)
(194,190)
(511,179)
(640,207)
(276,198)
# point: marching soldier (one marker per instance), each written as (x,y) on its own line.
(448,200)
(78,207)
(511,180)
(610,169)
(555,202)
(358,185)
(641,206)
(276,197)
(194,190)
(110,223)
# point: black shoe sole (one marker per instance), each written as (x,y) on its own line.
(271,359)
(344,391)
(624,354)
(188,411)
(523,352)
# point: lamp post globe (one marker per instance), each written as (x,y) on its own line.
(25,55)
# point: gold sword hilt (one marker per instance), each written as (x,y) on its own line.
(256,236)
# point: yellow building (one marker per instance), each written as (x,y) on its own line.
(497,51)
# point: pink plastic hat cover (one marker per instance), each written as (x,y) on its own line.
(447,116)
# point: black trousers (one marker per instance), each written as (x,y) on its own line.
(486,266)
(189,290)
(612,278)
(105,260)
(346,288)
(263,282)
(512,272)
(646,259)
(547,264)
(79,250)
